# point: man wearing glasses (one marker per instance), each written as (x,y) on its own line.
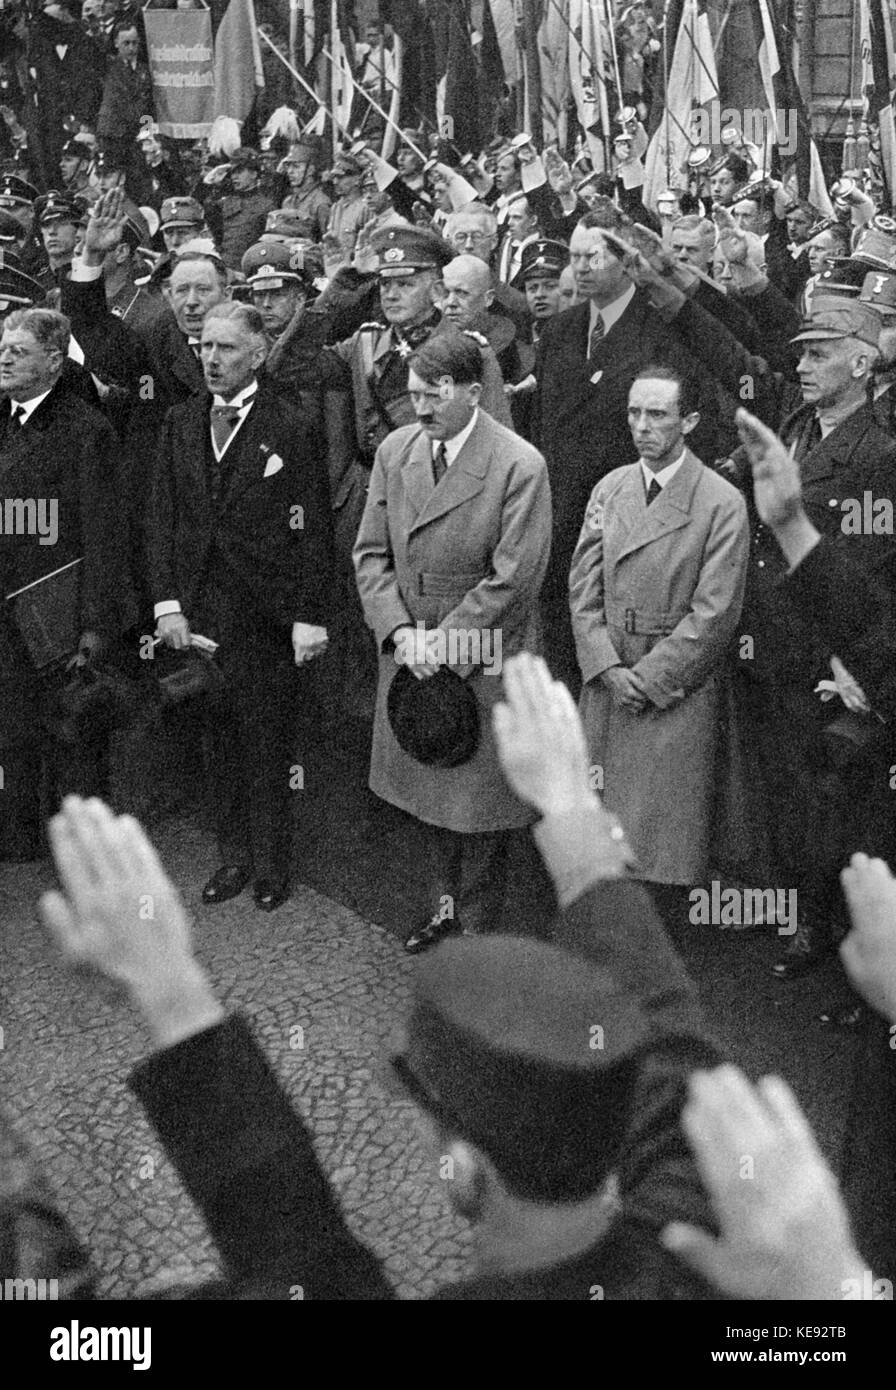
(474,231)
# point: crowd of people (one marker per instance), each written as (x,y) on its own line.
(406,426)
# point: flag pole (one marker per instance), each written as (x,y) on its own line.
(376,106)
(666,111)
(612,31)
(306,86)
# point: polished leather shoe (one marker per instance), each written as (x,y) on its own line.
(269,894)
(807,949)
(431,933)
(228,882)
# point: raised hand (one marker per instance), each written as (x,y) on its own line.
(104,226)
(869,951)
(541,742)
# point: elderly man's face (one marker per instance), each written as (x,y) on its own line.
(231,356)
(825,371)
(407,300)
(465,292)
(27,369)
(193,288)
(690,247)
(599,274)
(470,233)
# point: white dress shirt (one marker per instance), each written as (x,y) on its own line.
(665,475)
(27,408)
(244,400)
(457,441)
(611,312)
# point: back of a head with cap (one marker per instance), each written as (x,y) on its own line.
(530,1054)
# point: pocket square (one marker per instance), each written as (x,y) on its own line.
(273,465)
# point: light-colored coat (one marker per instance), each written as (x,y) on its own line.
(659,589)
(467,556)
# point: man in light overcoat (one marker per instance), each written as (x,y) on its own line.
(450,557)
(656,589)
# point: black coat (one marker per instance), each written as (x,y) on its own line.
(248,1161)
(67,453)
(581,427)
(270,565)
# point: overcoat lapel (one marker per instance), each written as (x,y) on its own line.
(464,479)
(668,512)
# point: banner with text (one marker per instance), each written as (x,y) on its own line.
(182,63)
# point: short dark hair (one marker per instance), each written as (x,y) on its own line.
(122,25)
(448,353)
(688,385)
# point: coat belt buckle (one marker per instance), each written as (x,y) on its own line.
(630,625)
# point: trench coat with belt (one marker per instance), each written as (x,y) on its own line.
(660,591)
(467,556)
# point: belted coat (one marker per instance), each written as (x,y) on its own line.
(659,590)
(466,555)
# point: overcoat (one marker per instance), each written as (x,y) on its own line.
(467,555)
(659,590)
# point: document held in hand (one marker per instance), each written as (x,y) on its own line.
(47,613)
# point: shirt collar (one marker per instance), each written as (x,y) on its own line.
(454,445)
(666,474)
(243,398)
(612,311)
(28,407)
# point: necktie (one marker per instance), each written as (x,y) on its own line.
(224,417)
(17,417)
(598,333)
(440,464)
(193,344)
(653,491)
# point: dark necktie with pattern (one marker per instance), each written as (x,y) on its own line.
(653,491)
(17,418)
(224,417)
(598,333)
(440,464)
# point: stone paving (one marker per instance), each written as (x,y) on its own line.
(328,962)
(314,965)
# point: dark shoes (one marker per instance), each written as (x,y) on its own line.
(431,933)
(269,893)
(807,949)
(228,882)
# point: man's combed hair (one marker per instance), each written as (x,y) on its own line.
(185,257)
(246,315)
(49,328)
(688,385)
(449,354)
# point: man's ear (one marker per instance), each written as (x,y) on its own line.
(475,390)
(489,298)
(690,422)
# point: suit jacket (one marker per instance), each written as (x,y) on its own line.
(67,453)
(127,95)
(269,535)
(659,589)
(247,1158)
(468,555)
(580,423)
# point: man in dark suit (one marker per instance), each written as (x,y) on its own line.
(58,454)
(239,551)
(586,361)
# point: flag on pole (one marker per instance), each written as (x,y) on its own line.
(553,57)
(238,71)
(589,50)
(504,21)
(879,85)
(784,100)
(693,82)
(457,75)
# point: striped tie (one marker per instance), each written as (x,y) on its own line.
(598,333)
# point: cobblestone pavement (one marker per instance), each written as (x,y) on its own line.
(314,965)
(322,964)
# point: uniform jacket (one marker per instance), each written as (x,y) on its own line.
(659,589)
(247,1158)
(268,564)
(580,423)
(468,555)
(243,216)
(314,206)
